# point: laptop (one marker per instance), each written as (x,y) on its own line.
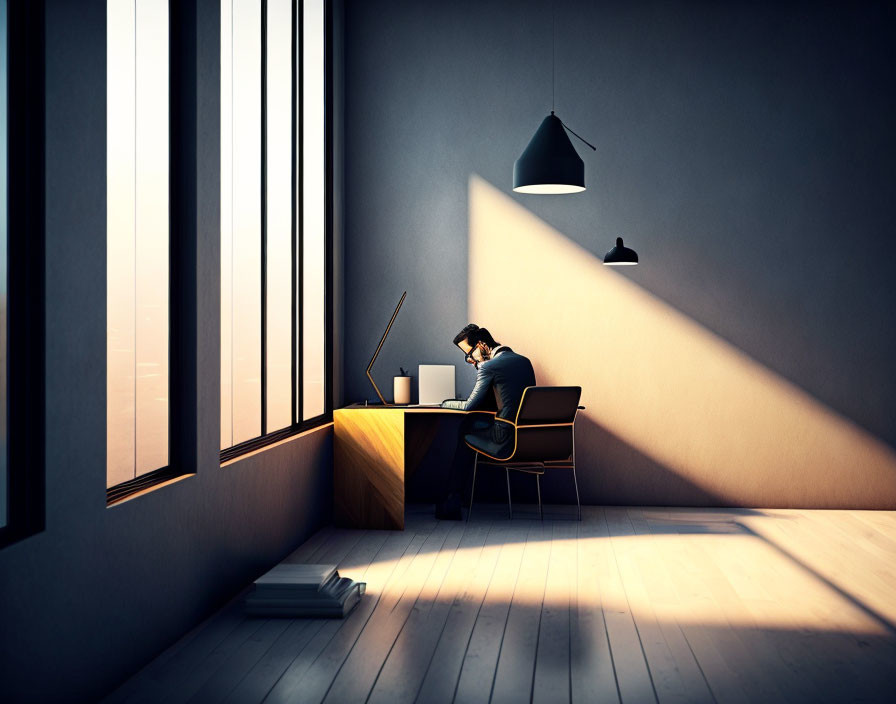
(436,383)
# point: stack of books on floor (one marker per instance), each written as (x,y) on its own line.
(297,591)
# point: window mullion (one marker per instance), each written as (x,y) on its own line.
(296,415)
(264,217)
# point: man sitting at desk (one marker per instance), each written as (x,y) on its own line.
(502,374)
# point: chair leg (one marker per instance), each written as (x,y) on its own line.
(538,487)
(574,480)
(509,502)
(473,488)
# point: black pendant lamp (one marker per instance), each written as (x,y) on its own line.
(550,164)
(621,255)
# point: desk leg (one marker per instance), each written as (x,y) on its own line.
(420,429)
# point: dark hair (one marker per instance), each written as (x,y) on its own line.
(474,334)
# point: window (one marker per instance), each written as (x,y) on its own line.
(21,270)
(314,211)
(137,250)
(275,241)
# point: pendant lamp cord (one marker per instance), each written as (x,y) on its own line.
(553,69)
(553,56)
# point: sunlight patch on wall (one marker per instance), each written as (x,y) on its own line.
(656,379)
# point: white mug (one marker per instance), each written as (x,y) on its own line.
(401,389)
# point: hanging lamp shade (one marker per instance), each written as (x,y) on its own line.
(550,164)
(621,255)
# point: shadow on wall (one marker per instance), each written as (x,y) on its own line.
(616,473)
(659,387)
(643,475)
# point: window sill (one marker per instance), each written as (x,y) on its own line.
(162,482)
(253,447)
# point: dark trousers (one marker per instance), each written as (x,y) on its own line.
(462,463)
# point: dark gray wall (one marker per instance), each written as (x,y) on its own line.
(744,149)
(92,598)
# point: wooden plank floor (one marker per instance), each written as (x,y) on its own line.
(628,605)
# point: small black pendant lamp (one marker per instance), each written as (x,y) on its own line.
(550,164)
(621,255)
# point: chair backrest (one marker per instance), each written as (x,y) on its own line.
(544,423)
(541,405)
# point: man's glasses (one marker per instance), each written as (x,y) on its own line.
(469,358)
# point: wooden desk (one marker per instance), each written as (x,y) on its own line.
(376,448)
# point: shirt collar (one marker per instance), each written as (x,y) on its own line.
(500,348)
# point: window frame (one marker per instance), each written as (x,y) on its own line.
(26,495)
(181,250)
(298,425)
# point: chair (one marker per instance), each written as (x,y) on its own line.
(543,437)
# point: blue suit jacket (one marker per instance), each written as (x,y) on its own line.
(504,377)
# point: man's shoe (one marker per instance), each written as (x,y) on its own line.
(449,509)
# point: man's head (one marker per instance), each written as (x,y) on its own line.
(476,343)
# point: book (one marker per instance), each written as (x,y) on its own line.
(294,590)
(287,591)
(322,609)
(330,596)
(295,577)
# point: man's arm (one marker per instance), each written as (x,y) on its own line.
(484,377)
